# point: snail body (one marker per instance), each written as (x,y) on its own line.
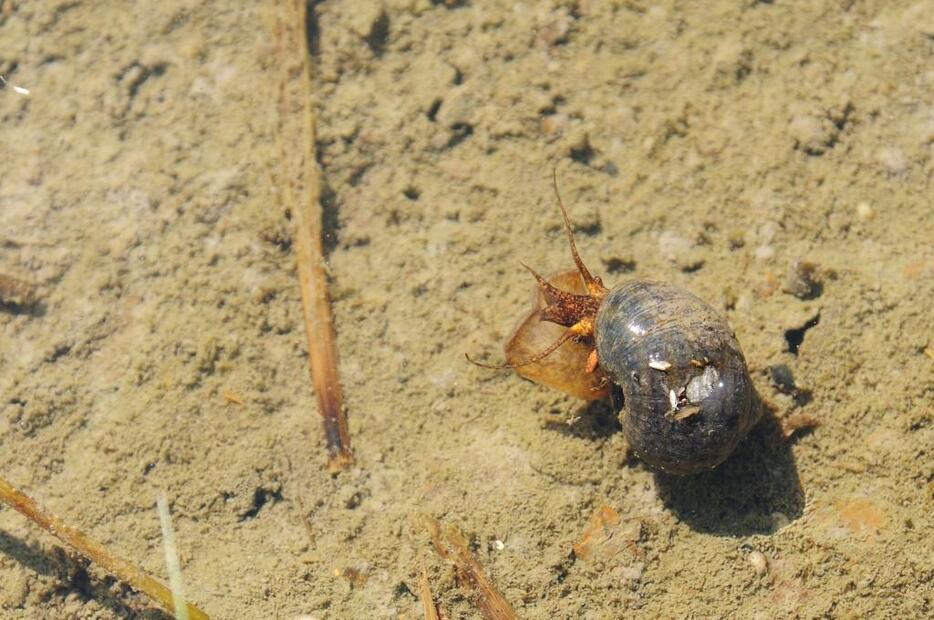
(688,399)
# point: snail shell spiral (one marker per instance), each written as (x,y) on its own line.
(688,397)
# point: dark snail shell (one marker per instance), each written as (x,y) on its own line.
(688,398)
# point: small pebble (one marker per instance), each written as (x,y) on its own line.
(736,239)
(459,106)
(632,574)
(554,124)
(782,378)
(765,252)
(759,562)
(864,212)
(802,281)
(555,30)
(680,250)
(17,292)
(663,366)
(366,19)
(812,134)
(892,159)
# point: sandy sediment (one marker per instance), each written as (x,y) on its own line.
(772,158)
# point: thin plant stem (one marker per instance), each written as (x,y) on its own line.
(126,572)
(171,559)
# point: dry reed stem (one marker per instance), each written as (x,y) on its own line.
(424,594)
(451,545)
(312,275)
(119,568)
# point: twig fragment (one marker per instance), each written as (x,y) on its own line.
(312,275)
(451,545)
(424,594)
(790,425)
(126,572)
(19,90)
